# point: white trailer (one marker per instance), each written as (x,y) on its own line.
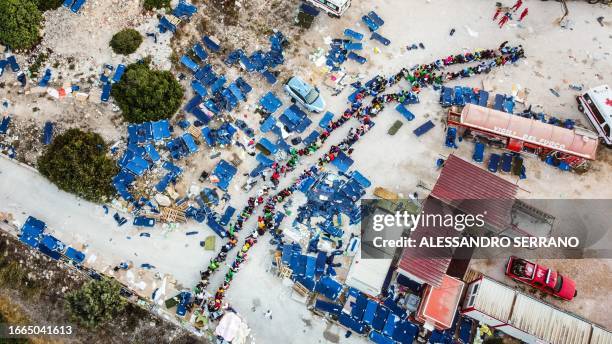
(526,318)
(334,8)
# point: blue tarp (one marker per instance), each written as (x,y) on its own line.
(74,255)
(310,139)
(199,89)
(268,146)
(342,162)
(189,63)
(4,124)
(328,307)
(44,81)
(424,128)
(48,133)
(216,227)
(225,172)
(295,119)
(459,100)
(379,338)
(446,96)
(138,165)
(118,73)
(478,155)
(142,221)
(184,9)
(370,23)
(355,57)
(354,325)
(483,98)
(152,152)
(494,160)
(405,112)
(329,287)
(106,91)
(353,34)
(506,165)
(370,312)
(165,25)
(211,44)
(200,52)
(268,124)
(325,120)
(378,37)
(190,142)
(270,102)
(31,231)
(390,325)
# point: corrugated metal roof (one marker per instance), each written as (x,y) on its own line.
(548,323)
(474,190)
(495,299)
(601,336)
(428,264)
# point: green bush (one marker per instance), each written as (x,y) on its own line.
(19,23)
(76,162)
(152,4)
(144,94)
(46,5)
(126,41)
(95,303)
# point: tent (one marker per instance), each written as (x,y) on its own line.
(232,329)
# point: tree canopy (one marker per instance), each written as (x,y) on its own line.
(76,162)
(126,41)
(97,301)
(152,4)
(144,94)
(46,5)
(19,23)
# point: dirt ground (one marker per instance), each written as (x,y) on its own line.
(79,45)
(32,293)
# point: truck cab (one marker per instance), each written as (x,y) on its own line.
(334,8)
(596,104)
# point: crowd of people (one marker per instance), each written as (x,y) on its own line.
(420,76)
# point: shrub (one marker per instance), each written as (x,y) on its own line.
(126,41)
(76,162)
(97,302)
(46,5)
(145,95)
(19,23)
(152,4)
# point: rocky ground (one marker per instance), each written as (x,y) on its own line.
(32,289)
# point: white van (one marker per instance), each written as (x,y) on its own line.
(335,8)
(596,104)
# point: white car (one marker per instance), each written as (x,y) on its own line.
(304,94)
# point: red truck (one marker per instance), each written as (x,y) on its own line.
(541,277)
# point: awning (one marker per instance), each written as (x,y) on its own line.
(439,304)
(530,130)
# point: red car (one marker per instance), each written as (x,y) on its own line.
(541,277)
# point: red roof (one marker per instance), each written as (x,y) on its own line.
(473,190)
(428,264)
(469,189)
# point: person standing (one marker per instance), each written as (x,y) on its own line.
(504,19)
(497,13)
(524,14)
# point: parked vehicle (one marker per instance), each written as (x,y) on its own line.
(304,94)
(541,277)
(596,104)
(334,8)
